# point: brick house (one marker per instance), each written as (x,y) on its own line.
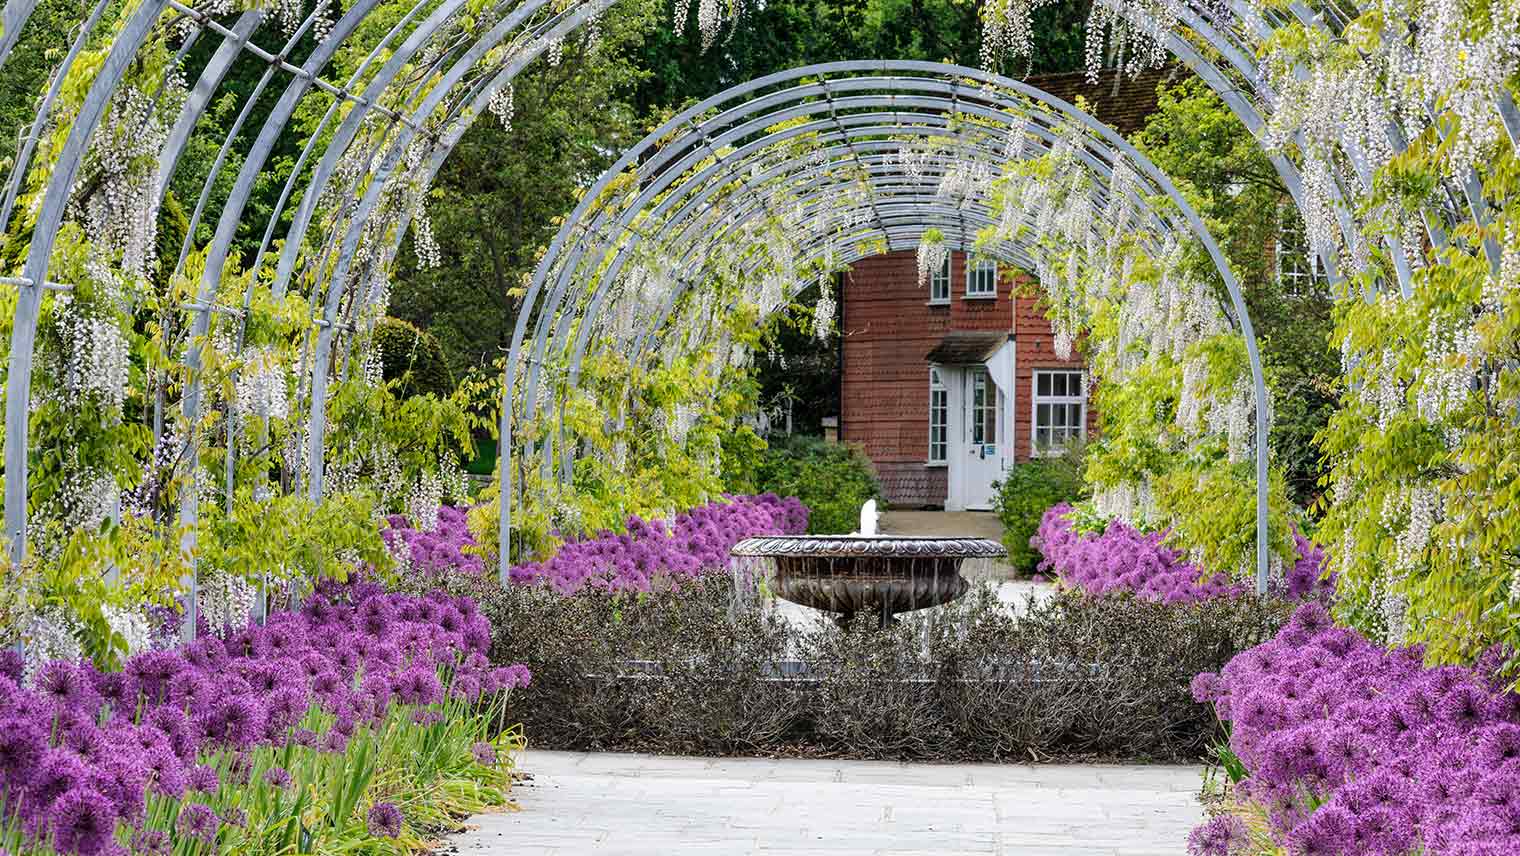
(947,385)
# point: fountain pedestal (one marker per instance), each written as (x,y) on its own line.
(870,575)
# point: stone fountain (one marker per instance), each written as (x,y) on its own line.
(864,573)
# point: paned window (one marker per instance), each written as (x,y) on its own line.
(939,419)
(939,283)
(1297,266)
(1060,409)
(983,410)
(981,278)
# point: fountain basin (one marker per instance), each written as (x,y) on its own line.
(874,575)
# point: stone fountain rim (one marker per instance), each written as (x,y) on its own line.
(869,546)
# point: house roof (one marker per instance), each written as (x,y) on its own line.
(964,348)
(1121,101)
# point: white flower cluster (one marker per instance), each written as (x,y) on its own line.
(49,634)
(711,16)
(225,600)
(422,504)
(1453,359)
(117,201)
(823,311)
(502,105)
(429,254)
(1134,30)
(97,357)
(1132,502)
(131,625)
(931,257)
(1420,509)
(262,391)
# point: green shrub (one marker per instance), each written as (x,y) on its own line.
(1029,490)
(412,356)
(832,479)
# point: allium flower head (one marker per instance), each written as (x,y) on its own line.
(83,821)
(198,821)
(384,820)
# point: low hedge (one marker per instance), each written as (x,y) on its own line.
(1076,677)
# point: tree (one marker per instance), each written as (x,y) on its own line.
(495,202)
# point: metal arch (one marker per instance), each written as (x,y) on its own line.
(49,217)
(925,199)
(236,48)
(536,361)
(210,79)
(29,146)
(567,23)
(349,128)
(880,163)
(740,130)
(713,178)
(915,208)
(432,103)
(221,243)
(459,117)
(905,232)
(1070,114)
(12,20)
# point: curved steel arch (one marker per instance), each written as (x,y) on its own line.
(686,126)
(1237,37)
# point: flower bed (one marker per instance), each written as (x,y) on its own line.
(1122,558)
(647,554)
(1350,748)
(364,714)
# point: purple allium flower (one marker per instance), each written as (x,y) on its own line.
(198,821)
(484,753)
(59,772)
(150,842)
(66,686)
(22,743)
(235,817)
(12,664)
(237,722)
(1220,836)
(384,820)
(1331,831)
(83,821)
(205,779)
(277,777)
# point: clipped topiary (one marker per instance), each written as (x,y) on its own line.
(412,356)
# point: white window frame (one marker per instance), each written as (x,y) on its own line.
(1298,272)
(1036,399)
(937,387)
(939,284)
(975,268)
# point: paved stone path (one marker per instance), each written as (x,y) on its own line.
(638,805)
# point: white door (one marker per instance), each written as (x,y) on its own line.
(984,449)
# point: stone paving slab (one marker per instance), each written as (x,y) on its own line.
(601,804)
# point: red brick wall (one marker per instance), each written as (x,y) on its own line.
(1034,345)
(889,327)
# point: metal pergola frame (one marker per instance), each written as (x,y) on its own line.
(687,160)
(400,126)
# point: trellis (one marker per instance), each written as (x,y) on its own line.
(858,111)
(401,126)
